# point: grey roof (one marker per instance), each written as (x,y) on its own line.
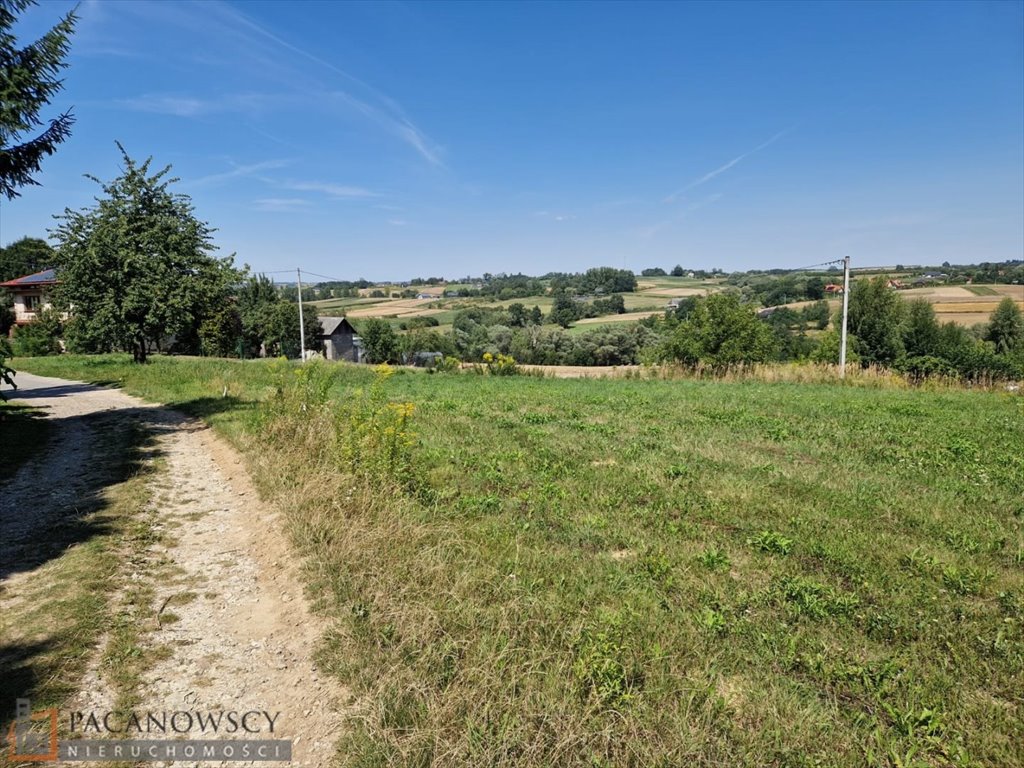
(330,326)
(46,277)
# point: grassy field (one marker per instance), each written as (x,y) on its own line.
(591,573)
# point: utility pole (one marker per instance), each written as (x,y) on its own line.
(302,325)
(846,309)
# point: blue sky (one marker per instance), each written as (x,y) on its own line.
(390,140)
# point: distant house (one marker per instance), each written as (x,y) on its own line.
(31,294)
(426,296)
(833,288)
(672,304)
(340,340)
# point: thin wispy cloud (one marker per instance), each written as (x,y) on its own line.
(394,123)
(179,106)
(331,190)
(622,202)
(555,216)
(386,112)
(647,233)
(238,43)
(241,171)
(93,35)
(238,33)
(281,204)
(190,106)
(723,168)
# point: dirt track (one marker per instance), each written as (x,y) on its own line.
(242,635)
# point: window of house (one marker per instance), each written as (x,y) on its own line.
(32,303)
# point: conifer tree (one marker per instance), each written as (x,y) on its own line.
(28,80)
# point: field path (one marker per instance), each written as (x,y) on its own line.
(234,623)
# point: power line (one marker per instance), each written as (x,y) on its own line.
(332,279)
(814,266)
(289,271)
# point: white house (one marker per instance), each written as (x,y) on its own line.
(31,294)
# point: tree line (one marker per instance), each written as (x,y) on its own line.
(723,330)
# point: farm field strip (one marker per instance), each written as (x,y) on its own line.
(966,319)
(626,317)
(949,307)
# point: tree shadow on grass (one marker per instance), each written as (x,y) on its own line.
(58,390)
(24,677)
(56,500)
(61,497)
(204,407)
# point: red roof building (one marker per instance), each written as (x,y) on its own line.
(31,294)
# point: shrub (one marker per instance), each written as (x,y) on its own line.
(41,337)
(373,436)
(364,433)
(500,365)
(447,364)
(927,367)
(6,372)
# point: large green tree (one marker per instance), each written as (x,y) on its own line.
(256,301)
(876,318)
(270,323)
(1006,327)
(380,342)
(720,331)
(283,336)
(28,80)
(24,257)
(137,267)
(564,311)
(921,330)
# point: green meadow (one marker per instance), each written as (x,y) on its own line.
(544,572)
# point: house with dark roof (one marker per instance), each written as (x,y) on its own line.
(340,340)
(31,294)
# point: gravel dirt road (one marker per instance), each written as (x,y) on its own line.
(236,630)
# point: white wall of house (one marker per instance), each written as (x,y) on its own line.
(28,303)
